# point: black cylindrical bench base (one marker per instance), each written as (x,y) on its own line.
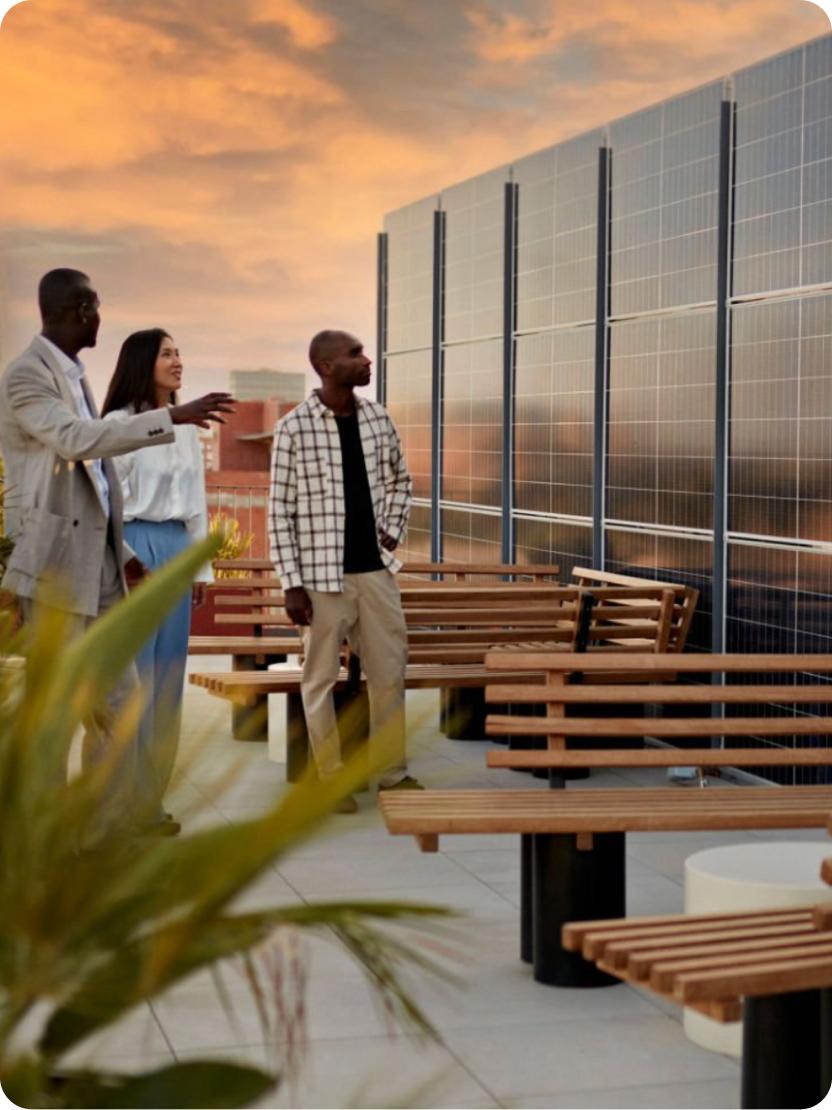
(781,1051)
(462,712)
(825,1042)
(574,881)
(526,899)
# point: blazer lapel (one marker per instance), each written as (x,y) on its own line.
(46,356)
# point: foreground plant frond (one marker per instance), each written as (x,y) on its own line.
(85,937)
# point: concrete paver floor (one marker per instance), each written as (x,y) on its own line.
(507,1041)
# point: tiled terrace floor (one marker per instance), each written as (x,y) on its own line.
(507,1040)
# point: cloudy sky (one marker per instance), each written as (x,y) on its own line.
(221,167)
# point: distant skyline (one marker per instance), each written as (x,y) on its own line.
(222,169)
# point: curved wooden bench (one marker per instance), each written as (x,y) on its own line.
(773,968)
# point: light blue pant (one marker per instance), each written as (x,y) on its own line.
(161,664)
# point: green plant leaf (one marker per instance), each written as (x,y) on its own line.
(143,968)
(92,663)
(202,1084)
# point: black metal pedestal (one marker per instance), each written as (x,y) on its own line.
(825,1042)
(526,899)
(781,1051)
(573,881)
(462,712)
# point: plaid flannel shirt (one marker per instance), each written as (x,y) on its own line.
(306,501)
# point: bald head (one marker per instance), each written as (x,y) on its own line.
(326,345)
(61,292)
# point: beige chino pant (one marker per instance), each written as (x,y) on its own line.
(368,614)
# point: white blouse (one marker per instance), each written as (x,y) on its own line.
(166,482)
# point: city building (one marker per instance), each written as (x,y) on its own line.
(617,351)
(260,385)
(238,460)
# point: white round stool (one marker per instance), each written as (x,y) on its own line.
(768,875)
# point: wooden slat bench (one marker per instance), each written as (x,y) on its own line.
(773,968)
(453,633)
(249,691)
(445,621)
(573,840)
(460,609)
(685,599)
(448,632)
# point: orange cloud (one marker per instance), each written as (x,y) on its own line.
(709,29)
(223,168)
(309,29)
(98,89)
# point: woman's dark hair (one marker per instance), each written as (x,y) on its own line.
(132,381)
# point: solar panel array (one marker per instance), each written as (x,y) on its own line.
(725,187)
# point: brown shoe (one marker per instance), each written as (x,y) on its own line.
(407,783)
(347,805)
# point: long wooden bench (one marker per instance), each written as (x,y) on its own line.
(448,622)
(249,691)
(458,629)
(772,968)
(573,841)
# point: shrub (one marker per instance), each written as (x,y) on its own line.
(85,936)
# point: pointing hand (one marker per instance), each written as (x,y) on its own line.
(204,410)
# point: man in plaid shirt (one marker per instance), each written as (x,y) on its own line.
(339,503)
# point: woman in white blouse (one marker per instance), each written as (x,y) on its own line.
(164,511)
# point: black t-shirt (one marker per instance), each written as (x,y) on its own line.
(361,553)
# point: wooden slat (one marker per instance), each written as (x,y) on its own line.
(665,726)
(590,576)
(659,757)
(689,664)
(661,969)
(440,593)
(290,641)
(618,953)
(287,643)
(575,933)
(653,694)
(244,687)
(531,570)
(591,937)
(769,976)
(826,870)
(612,810)
(535,570)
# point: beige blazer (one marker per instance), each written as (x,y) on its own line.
(53,511)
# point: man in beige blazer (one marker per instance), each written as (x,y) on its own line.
(63,502)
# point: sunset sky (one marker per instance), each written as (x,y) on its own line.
(221,167)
